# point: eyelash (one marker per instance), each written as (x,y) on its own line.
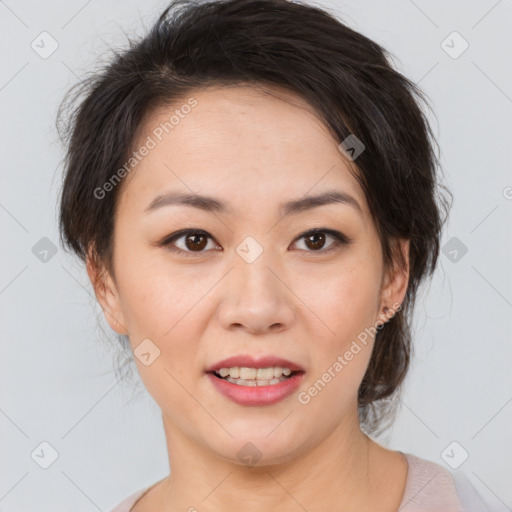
(339,240)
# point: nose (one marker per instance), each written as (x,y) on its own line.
(256,298)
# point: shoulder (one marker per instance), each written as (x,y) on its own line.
(128,502)
(430,486)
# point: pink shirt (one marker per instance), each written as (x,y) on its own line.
(429,488)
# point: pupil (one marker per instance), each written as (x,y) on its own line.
(317,245)
(196,245)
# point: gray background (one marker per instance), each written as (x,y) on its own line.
(57,379)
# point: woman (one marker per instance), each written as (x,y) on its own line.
(254,191)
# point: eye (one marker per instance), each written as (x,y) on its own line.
(315,239)
(194,240)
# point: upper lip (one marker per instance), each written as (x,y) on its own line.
(248,361)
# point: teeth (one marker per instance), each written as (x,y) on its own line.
(247,373)
(265,373)
(252,383)
(252,374)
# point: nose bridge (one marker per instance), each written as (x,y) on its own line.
(252,280)
(255,298)
(254,277)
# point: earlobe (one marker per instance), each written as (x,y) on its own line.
(106,294)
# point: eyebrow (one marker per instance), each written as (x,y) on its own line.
(211,204)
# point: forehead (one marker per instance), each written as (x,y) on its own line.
(239,141)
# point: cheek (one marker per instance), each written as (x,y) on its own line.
(155,295)
(346,305)
(343,344)
(160,306)
(167,306)
(345,298)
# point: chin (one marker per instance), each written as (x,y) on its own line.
(258,447)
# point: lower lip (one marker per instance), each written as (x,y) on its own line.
(257,395)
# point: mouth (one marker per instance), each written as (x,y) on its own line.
(255,382)
(250,362)
(254,377)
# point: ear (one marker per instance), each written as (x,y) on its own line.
(106,293)
(394,285)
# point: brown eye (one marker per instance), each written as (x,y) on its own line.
(195,242)
(316,239)
(187,241)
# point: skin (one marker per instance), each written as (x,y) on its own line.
(253,151)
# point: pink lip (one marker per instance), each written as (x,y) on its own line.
(256,395)
(248,361)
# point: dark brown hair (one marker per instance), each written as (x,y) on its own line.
(349,81)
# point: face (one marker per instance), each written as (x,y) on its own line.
(247,277)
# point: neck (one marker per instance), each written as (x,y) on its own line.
(335,474)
